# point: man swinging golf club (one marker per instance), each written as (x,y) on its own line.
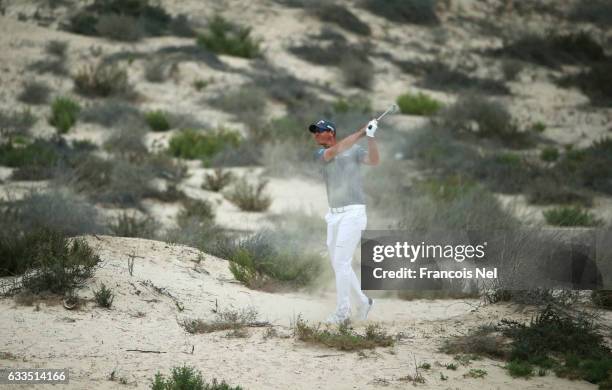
(347,212)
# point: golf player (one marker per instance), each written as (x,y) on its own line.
(346,218)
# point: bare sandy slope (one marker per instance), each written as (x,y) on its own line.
(93,342)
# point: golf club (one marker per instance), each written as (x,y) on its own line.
(392,109)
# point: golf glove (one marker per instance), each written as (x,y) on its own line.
(371,128)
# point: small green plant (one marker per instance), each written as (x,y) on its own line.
(570,216)
(200,84)
(192,144)
(224,37)
(16,123)
(157,120)
(217,180)
(249,197)
(519,369)
(343,338)
(451,366)
(538,127)
(188,378)
(418,104)
(64,112)
(425,366)
(104,296)
(475,373)
(443,377)
(549,154)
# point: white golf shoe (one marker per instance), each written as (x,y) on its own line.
(365,309)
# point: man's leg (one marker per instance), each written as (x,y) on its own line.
(347,238)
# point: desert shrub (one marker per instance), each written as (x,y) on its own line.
(128,144)
(217,180)
(549,154)
(16,123)
(485,118)
(344,337)
(157,120)
(357,71)
(49,65)
(34,92)
(39,153)
(404,11)
(57,210)
(552,189)
(103,81)
(148,18)
(596,11)
(156,71)
(418,104)
(570,216)
(204,235)
(224,37)
(192,144)
(131,225)
(590,167)
(64,113)
(552,49)
(271,258)
(538,127)
(196,209)
(246,103)
(119,27)
(186,377)
(339,15)
(181,26)
(56,48)
(511,68)
(506,172)
(568,343)
(166,168)
(481,341)
(519,369)
(330,54)
(104,296)
(111,112)
(593,82)
(58,264)
(439,76)
(249,197)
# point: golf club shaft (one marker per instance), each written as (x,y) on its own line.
(391,108)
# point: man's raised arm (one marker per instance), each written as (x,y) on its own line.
(344,144)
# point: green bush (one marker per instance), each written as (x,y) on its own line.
(418,104)
(551,189)
(519,369)
(590,167)
(64,113)
(103,81)
(39,153)
(570,216)
(224,37)
(188,378)
(404,11)
(249,197)
(157,120)
(549,154)
(192,144)
(569,343)
(34,92)
(15,123)
(104,296)
(58,264)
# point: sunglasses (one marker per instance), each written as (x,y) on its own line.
(317,130)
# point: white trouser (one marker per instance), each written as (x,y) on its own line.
(343,236)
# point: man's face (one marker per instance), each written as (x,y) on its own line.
(325,138)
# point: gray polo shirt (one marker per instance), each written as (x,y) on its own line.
(342,176)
